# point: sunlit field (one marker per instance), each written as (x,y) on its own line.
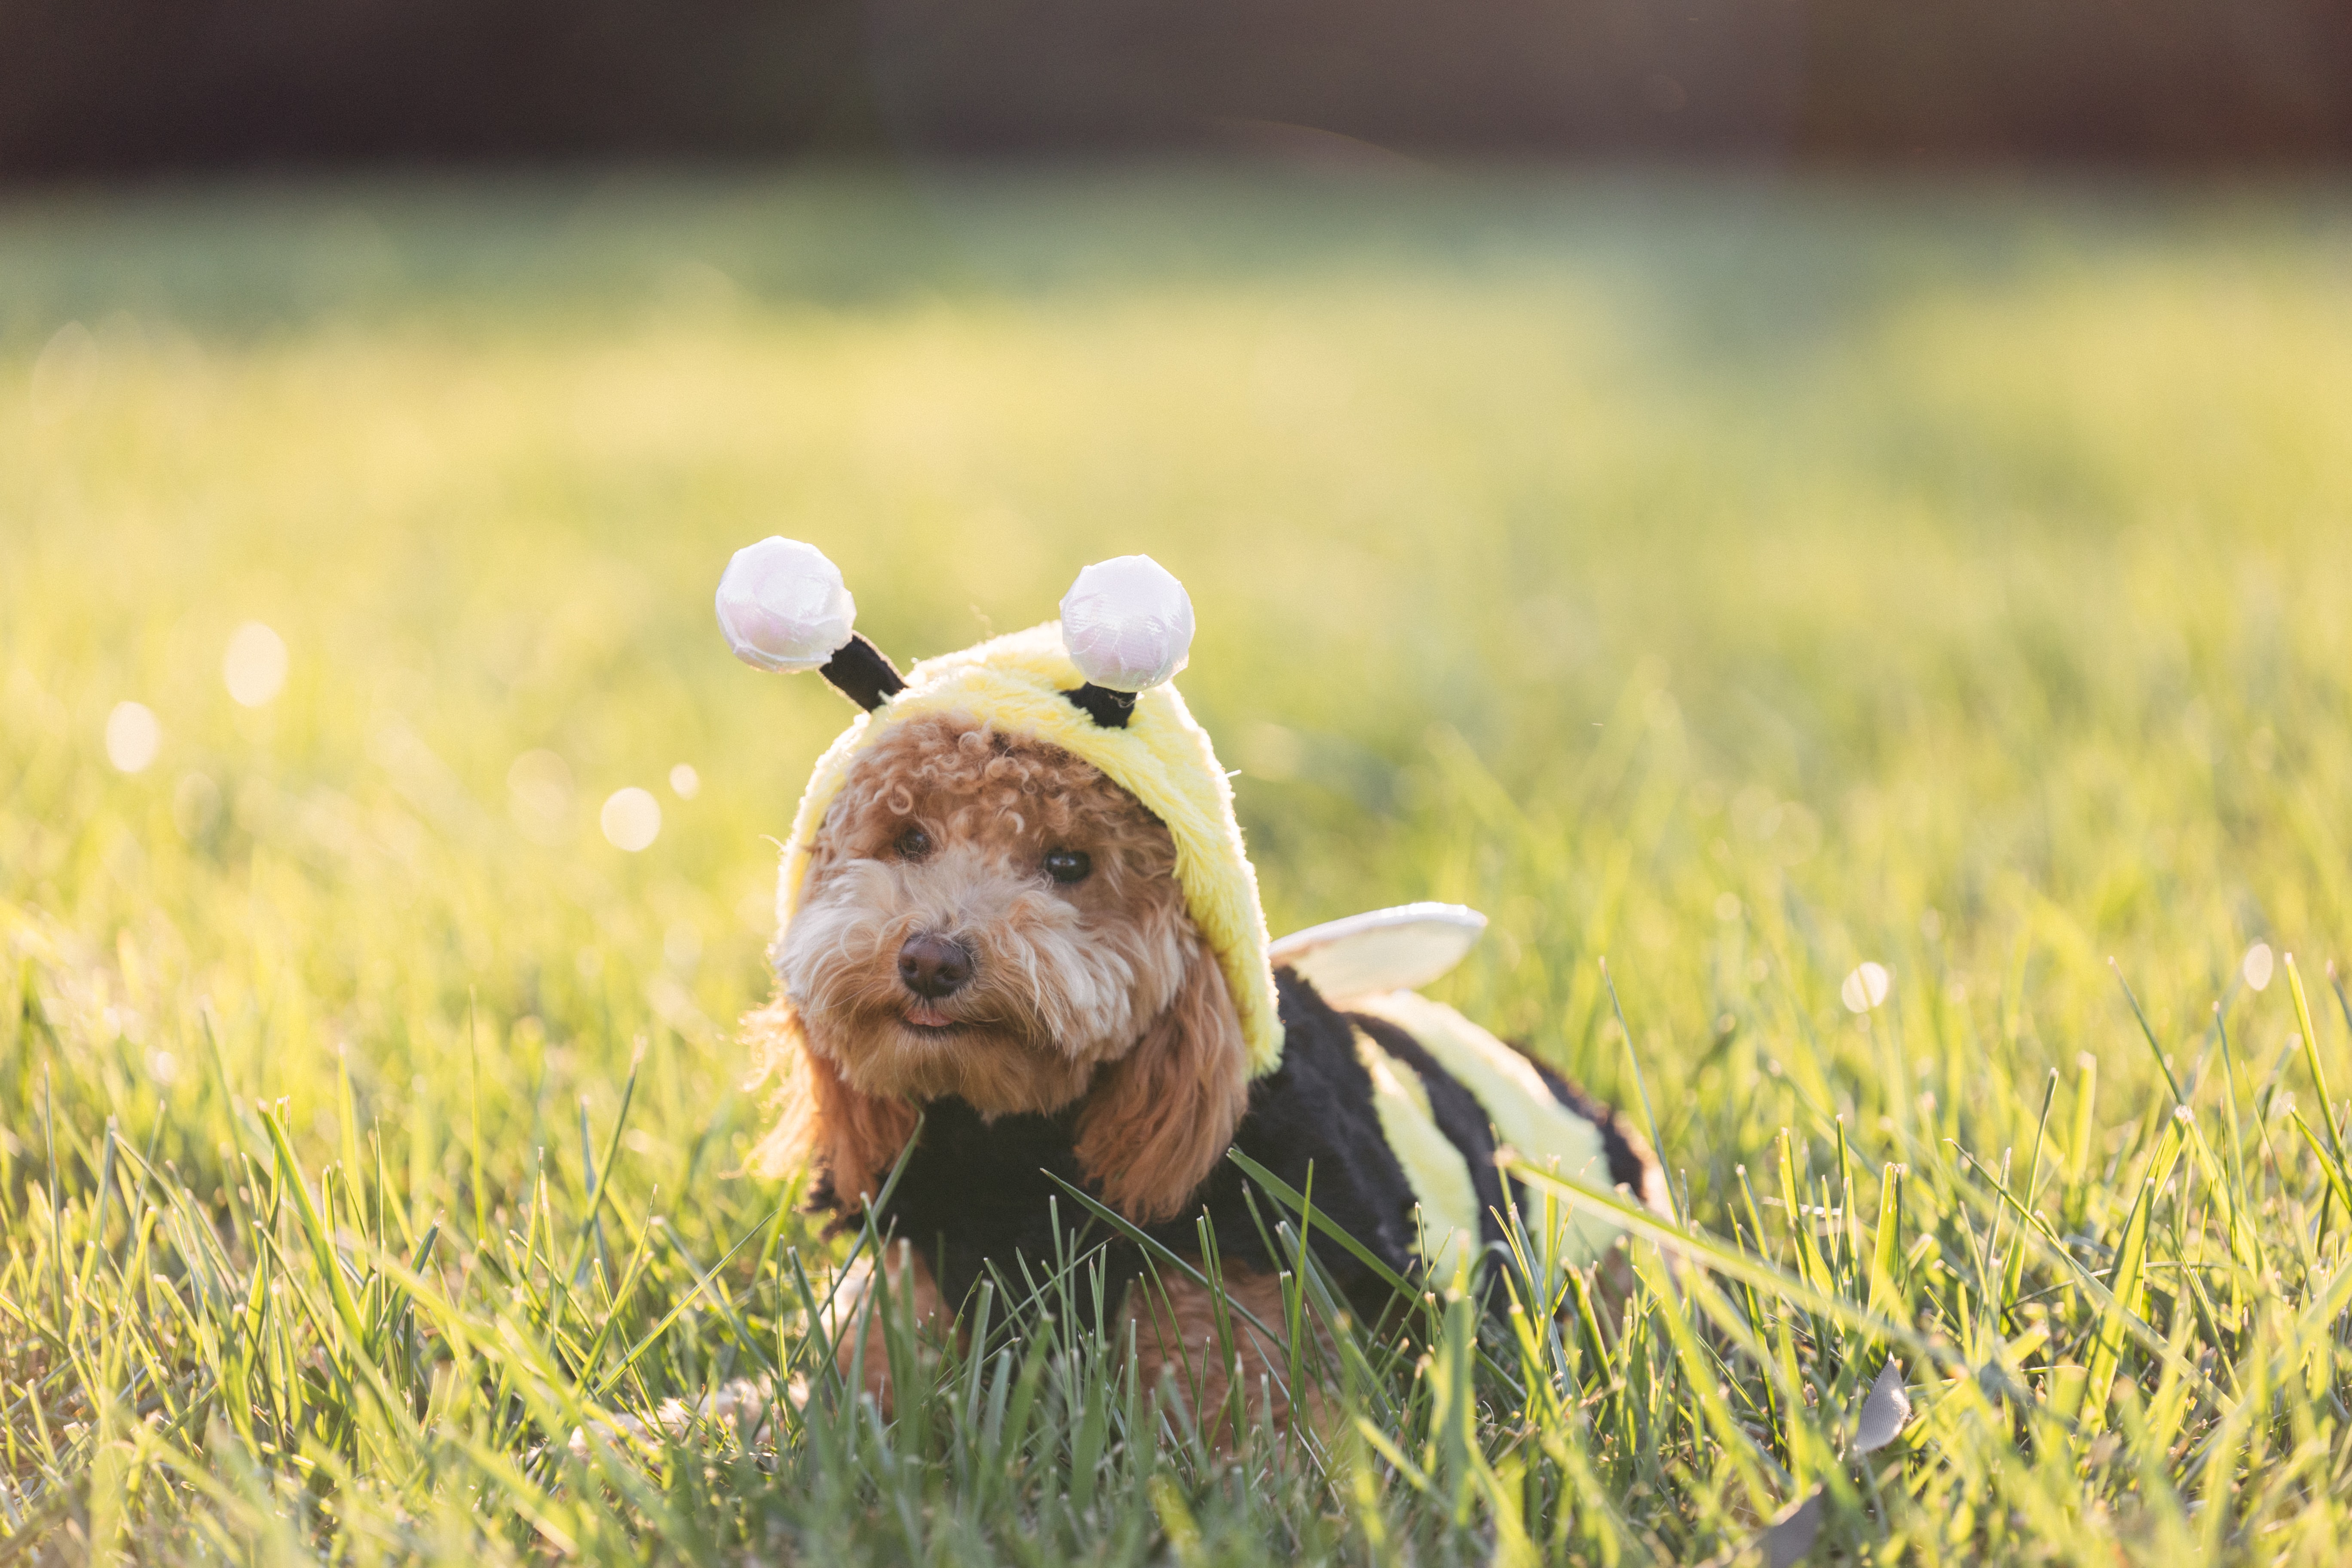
(1904,632)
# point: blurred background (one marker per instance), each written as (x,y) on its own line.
(1750,489)
(125,87)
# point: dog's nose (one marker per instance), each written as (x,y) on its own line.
(934,966)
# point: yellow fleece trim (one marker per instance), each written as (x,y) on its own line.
(1163,758)
(1515,1098)
(1434,1167)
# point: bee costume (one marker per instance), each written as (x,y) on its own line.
(1398,1103)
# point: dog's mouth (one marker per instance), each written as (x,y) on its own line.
(924,1018)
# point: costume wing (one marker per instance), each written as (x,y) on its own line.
(1380,950)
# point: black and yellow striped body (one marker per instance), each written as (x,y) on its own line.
(1393,1111)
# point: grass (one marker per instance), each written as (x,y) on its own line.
(1740,582)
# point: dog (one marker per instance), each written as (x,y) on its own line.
(993,939)
(1002,974)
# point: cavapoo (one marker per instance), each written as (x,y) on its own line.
(1019,930)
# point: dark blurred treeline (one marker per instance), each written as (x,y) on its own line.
(109,87)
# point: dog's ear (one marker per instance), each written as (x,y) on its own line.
(853,1137)
(1157,1121)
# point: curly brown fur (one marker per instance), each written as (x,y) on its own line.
(1187,1337)
(851,1139)
(856,1318)
(1159,1117)
(1098,989)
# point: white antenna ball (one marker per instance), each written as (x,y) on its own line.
(1126,623)
(784,605)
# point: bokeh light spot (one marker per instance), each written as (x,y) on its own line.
(2259,965)
(684,781)
(631,818)
(1865,988)
(132,736)
(255,665)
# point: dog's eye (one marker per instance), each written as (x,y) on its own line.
(1068,865)
(912,845)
